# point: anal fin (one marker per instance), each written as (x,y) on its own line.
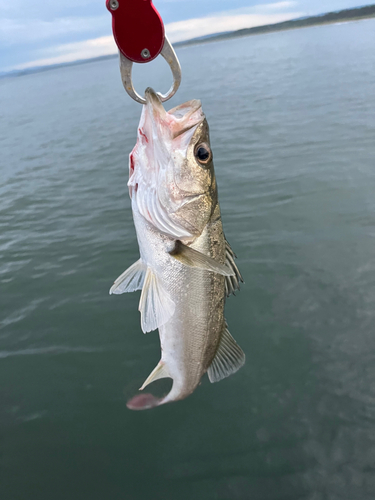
(228,359)
(130,280)
(155,305)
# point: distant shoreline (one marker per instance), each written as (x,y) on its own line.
(347,15)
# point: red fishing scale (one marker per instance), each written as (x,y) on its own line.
(137,29)
(139,34)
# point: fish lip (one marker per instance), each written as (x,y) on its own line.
(193,106)
(155,104)
(151,95)
(153,101)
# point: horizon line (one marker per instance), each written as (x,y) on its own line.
(215,37)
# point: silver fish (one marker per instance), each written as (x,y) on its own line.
(186,267)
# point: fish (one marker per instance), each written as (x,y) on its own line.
(186,268)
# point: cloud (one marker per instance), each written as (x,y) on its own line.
(276,6)
(70,52)
(176,31)
(192,28)
(262,8)
(29,30)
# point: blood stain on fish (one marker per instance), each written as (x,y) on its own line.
(143,135)
(131,164)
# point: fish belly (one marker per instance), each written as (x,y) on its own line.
(190,338)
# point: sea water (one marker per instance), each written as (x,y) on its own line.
(292,124)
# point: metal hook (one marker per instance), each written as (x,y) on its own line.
(170,56)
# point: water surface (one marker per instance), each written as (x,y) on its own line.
(292,124)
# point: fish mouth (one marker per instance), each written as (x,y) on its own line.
(179,119)
(153,102)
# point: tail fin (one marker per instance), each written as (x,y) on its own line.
(143,402)
(147,401)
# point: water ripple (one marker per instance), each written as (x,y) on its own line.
(37,351)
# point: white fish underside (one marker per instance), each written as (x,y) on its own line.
(184,283)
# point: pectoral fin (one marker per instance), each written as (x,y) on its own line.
(130,280)
(155,305)
(192,258)
(228,359)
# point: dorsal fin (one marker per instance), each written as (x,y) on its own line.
(232,283)
(130,280)
(155,305)
(228,359)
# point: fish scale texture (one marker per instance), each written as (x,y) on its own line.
(182,245)
(190,338)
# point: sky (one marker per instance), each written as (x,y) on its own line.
(41,33)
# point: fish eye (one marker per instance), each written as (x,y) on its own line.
(203,153)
